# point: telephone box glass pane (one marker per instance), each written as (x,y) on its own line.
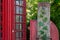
(20,38)
(20,34)
(17,9)
(21,10)
(17,34)
(21,2)
(20,26)
(17,26)
(17,39)
(17,18)
(20,18)
(17,2)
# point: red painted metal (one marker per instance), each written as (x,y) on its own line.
(33,30)
(4,22)
(53,31)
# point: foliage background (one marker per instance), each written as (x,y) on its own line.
(32,9)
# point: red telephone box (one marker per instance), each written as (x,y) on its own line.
(14,19)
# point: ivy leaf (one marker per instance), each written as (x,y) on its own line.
(41,15)
(41,32)
(45,28)
(45,37)
(45,19)
(41,23)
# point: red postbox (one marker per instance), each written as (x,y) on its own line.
(13,20)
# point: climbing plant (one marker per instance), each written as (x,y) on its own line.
(32,7)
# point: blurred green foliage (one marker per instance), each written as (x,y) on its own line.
(55,13)
(32,10)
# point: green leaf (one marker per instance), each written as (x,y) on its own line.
(44,0)
(41,32)
(41,15)
(45,19)
(41,23)
(45,37)
(45,28)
